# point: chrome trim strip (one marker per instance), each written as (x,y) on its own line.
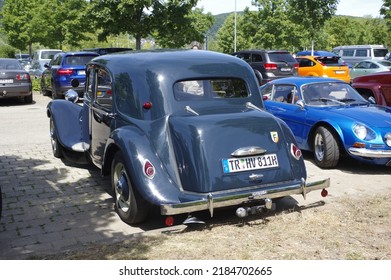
(209,202)
(363,152)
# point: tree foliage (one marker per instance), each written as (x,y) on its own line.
(172,23)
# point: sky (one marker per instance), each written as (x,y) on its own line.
(357,8)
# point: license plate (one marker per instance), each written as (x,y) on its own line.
(81,72)
(6,81)
(339,72)
(286,69)
(232,165)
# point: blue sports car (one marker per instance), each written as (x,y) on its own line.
(330,118)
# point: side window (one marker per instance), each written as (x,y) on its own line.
(244,56)
(347,52)
(305,63)
(257,58)
(284,93)
(362,53)
(104,89)
(90,83)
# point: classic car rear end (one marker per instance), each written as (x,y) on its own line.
(182,130)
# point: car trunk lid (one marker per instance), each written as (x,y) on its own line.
(229,151)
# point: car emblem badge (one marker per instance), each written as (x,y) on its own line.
(274,136)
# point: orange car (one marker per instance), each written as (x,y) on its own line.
(323,66)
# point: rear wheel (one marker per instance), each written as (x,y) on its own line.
(56,146)
(130,206)
(326,150)
(28,99)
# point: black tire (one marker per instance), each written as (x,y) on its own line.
(56,146)
(28,99)
(55,95)
(326,149)
(43,88)
(130,206)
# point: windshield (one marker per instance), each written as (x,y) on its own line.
(331,94)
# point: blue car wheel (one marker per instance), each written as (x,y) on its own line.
(130,206)
(326,150)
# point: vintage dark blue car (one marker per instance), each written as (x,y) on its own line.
(183,130)
(331,119)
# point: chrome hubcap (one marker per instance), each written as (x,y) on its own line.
(319,147)
(121,187)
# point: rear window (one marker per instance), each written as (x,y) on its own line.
(281,57)
(10,65)
(48,54)
(331,61)
(385,63)
(78,60)
(210,89)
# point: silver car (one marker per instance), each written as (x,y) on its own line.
(14,80)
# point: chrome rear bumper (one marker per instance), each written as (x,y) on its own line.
(211,201)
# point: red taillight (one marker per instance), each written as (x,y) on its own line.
(264,97)
(22,77)
(169,221)
(147,105)
(64,71)
(149,169)
(296,66)
(295,151)
(270,66)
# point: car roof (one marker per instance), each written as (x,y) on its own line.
(301,80)
(79,53)
(315,53)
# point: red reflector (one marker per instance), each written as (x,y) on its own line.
(270,66)
(324,193)
(264,97)
(169,221)
(295,151)
(147,105)
(149,169)
(64,71)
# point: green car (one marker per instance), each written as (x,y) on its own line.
(366,67)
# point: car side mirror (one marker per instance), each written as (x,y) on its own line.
(371,100)
(71,96)
(300,103)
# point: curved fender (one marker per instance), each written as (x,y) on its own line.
(136,149)
(330,123)
(297,165)
(67,118)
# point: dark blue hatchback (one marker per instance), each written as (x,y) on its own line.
(67,70)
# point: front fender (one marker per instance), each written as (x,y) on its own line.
(334,126)
(136,148)
(67,118)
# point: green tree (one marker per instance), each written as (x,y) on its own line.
(48,22)
(170,22)
(312,14)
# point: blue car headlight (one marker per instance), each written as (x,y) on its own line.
(363,132)
(387,138)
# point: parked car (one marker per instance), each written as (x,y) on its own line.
(184,137)
(269,65)
(36,69)
(366,67)
(14,80)
(376,86)
(323,66)
(322,53)
(356,53)
(102,51)
(67,70)
(330,118)
(24,59)
(1,202)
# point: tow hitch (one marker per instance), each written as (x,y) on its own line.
(246,211)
